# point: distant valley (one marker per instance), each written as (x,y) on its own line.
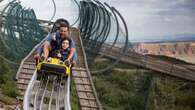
(181,50)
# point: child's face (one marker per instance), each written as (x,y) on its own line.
(65,44)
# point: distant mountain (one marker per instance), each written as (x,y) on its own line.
(181,37)
(181,50)
(169,38)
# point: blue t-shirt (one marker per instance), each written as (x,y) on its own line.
(57,41)
(64,54)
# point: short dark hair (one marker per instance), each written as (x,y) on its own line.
(66,38)
(64,24)
(60,23)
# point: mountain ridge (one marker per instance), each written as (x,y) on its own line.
(168,38)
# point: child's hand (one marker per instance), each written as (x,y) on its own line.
(59,55)
(49,59)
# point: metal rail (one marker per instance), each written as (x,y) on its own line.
(29,88)
(51,97)
(82,78)
(40,96)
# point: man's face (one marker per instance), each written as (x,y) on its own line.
(63,31)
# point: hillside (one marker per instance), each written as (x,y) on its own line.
(127,87)
(9,62)
(8,88)
(181,50)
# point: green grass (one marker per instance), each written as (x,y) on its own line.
(117,91)
(74,98)
(8,88)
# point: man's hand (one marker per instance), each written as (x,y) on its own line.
(46,47)
(67,62)
(37,56)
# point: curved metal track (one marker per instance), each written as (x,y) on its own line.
(20,28)
(98,22)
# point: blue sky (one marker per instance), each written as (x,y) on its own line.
(145,18)
(156,18)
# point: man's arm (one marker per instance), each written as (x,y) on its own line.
(72,49)
(46,47)
(38,51)
(70,56)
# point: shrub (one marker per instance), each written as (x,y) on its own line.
(9,89)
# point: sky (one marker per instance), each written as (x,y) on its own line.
(144,18)
(156,18)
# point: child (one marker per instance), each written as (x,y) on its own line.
(64,51)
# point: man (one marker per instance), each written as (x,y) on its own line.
(53,42)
